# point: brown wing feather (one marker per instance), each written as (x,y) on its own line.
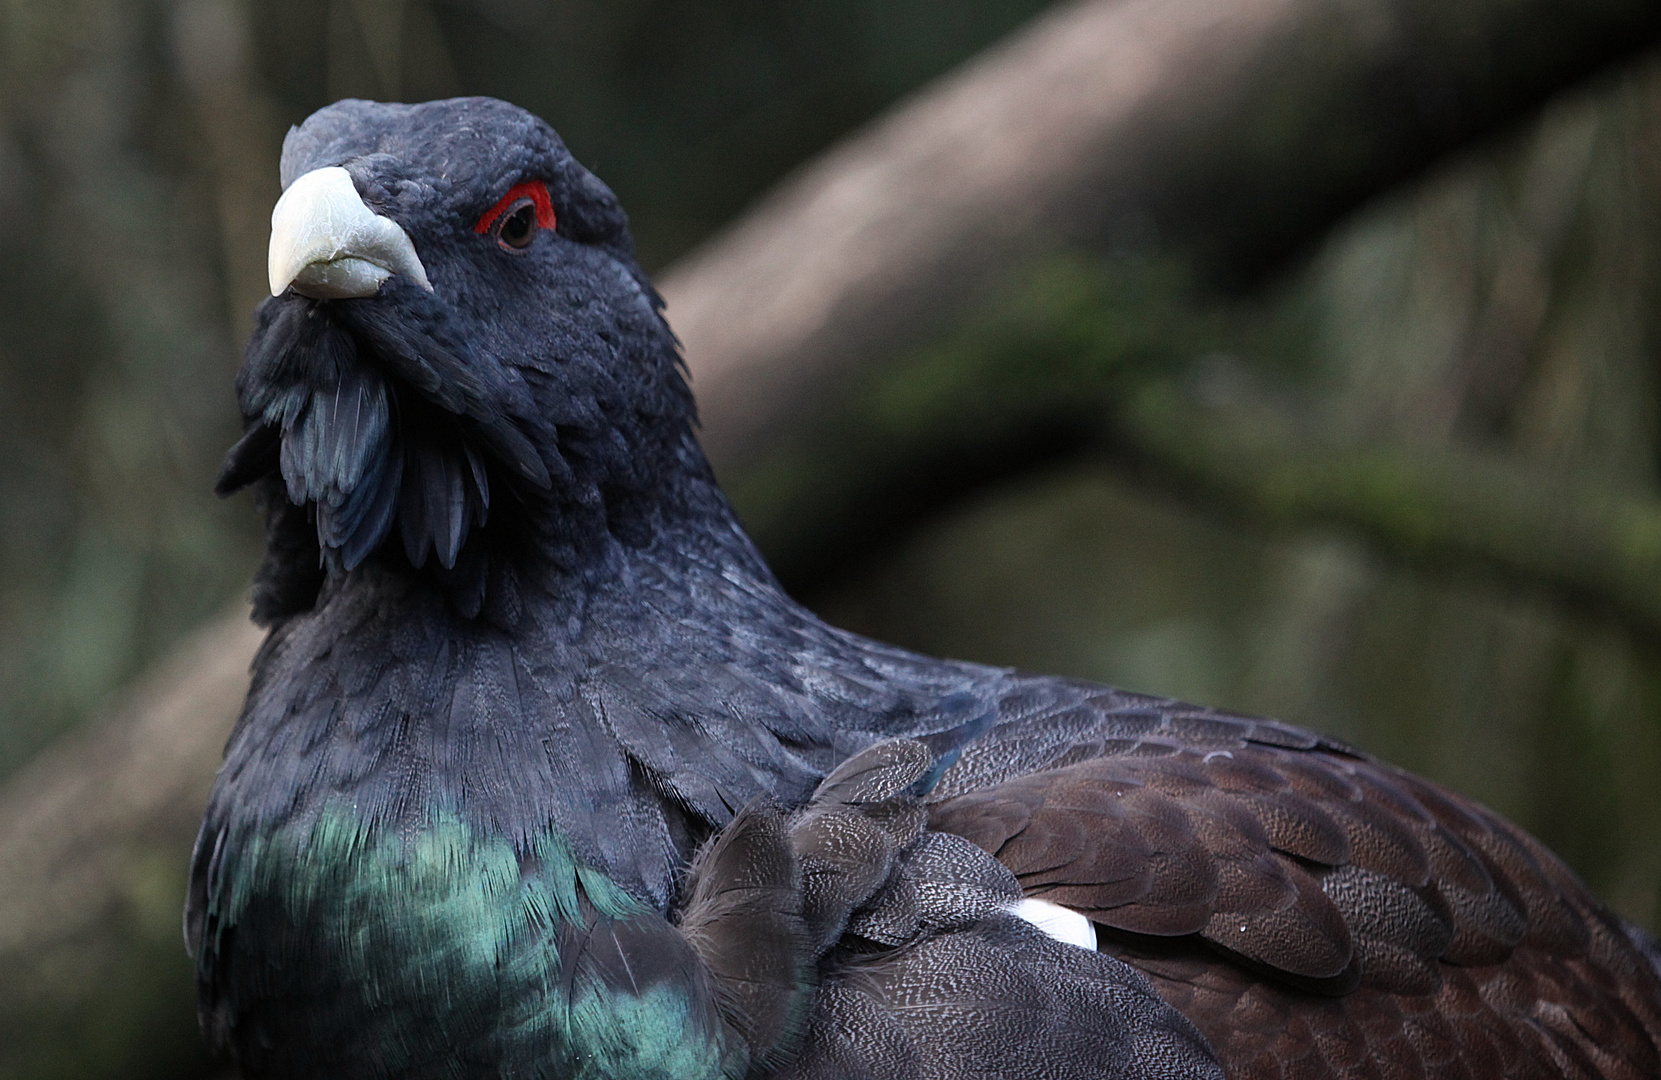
(1316,913)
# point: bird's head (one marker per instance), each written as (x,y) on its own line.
(458,339)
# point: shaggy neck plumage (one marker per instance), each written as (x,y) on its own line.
(483,480)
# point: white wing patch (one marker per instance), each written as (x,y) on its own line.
(1057,921)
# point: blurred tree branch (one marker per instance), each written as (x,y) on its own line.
(95,837)
(1236,132)
(1565,531)
(1078,361)
(1233,132)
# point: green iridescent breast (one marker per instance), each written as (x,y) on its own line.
(420,950)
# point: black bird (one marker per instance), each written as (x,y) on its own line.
(524,666)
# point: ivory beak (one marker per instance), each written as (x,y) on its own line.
(326,243)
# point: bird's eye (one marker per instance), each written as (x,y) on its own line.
(513,221)
(518,227)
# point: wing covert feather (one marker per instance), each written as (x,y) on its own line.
(1315,912)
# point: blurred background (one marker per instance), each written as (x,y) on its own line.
(1488,321)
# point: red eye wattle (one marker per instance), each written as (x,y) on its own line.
(536,191)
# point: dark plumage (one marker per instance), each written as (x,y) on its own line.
(484,813)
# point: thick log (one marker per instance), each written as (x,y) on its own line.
(95,838)
(1239,131)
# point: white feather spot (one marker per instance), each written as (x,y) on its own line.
(1058,922)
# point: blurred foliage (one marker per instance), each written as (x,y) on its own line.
(1502,311)
(138,145)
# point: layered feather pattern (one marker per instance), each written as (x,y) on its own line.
(373,422)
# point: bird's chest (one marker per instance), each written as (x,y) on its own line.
(401,950)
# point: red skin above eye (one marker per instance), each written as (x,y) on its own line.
(536,191)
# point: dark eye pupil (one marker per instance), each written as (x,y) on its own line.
(519,227)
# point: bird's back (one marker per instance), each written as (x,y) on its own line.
(1314,911)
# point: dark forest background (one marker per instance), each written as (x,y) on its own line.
(1329,488)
